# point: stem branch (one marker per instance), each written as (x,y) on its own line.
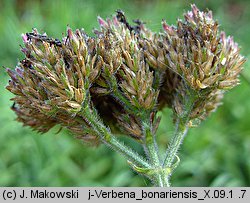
(108,139)
(181,129)
(159,175)
(180,132)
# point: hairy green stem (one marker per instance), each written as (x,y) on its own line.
(110,140)
(119,96)
(158,176)
(128,106)
(150,144)
(181,129)
(180,132)
(124,101)
(171,154)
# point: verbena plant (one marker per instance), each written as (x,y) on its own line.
(116,82)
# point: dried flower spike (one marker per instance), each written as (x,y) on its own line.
(52,83)
(203,58)
(116,82)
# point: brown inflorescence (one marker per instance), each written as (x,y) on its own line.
(199,62)
(51,84)
(122,73)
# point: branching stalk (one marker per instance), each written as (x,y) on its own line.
(181,129)
(188,66)
(108,139)
(180,132)
(158,176)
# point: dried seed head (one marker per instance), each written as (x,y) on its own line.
(52,82)
(119,45)
(205,61)
(130,125)
(192,60)
(137,82)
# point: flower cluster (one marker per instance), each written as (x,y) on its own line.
(52,83)
(200,63)
(123,74)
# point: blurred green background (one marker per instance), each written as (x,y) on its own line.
(215,154)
